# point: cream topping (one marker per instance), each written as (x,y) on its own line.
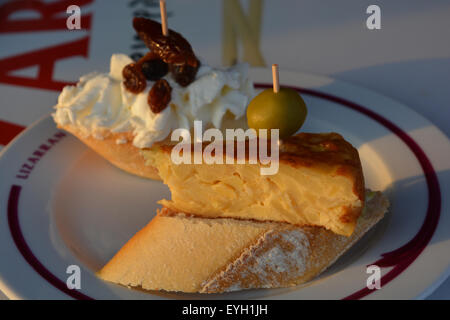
(99,103)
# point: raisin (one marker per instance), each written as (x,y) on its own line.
(159,96)
(133,79)
(154,69)
(183,74)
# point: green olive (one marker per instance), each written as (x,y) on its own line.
(284,110)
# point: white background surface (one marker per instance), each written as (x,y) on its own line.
(408,59)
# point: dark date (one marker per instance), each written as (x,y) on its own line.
(172,49)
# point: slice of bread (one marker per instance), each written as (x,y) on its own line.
(177,252)
(122,155)
(319,183)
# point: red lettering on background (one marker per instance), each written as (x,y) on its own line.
(8,131)
(50,15)
(45,59)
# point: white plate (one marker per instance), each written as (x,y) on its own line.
(67,206)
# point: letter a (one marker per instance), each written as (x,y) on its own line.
(374,20)
(74,280)
(74,20)
(373,281)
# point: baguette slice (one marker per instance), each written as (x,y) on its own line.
(175,252)
(122,155)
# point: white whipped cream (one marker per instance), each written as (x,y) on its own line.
(99,103)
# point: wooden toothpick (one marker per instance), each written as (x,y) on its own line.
(276,83)
(162,6)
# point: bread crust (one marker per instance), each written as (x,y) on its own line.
(123,155)
(318,249)
(274,255)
